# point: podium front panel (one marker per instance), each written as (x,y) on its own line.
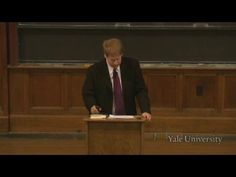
(115,137)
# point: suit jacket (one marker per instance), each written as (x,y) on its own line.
(97,88)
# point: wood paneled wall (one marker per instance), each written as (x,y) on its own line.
(46,91)
(199,92)
(44,98)
(50,96)
(3,79)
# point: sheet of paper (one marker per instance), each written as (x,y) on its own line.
(98,116)
(121,116)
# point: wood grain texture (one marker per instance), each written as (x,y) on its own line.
(115,137)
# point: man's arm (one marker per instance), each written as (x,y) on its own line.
(141,91)
(88,90)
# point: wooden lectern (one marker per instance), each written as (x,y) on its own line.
(115,136)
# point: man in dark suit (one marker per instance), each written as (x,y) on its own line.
(102,93)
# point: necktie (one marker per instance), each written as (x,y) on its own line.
(118,96)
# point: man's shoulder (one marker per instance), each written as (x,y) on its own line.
(130,60)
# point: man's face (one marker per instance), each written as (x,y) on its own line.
(114,61)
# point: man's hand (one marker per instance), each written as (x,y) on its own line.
(146,116)
(95,109)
